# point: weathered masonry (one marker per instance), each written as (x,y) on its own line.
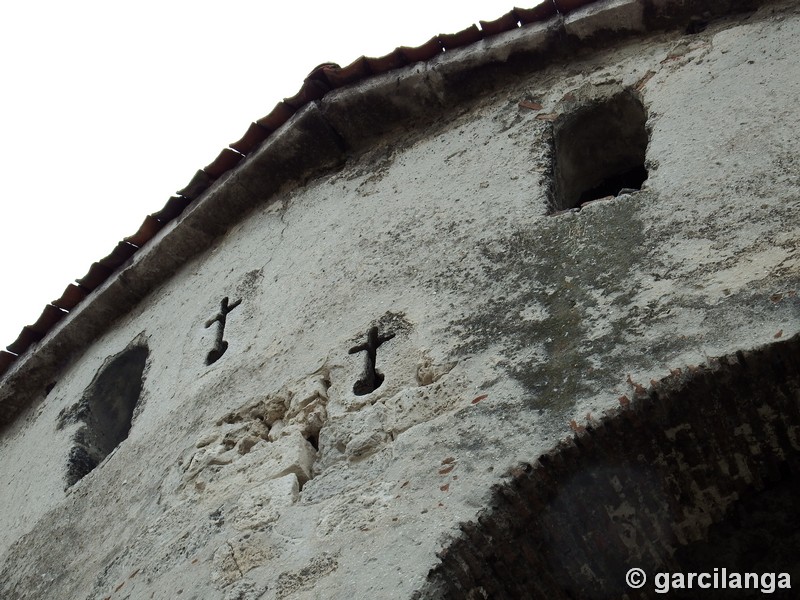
(701,472)
(501,316)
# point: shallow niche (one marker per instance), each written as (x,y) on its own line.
(600,151)
(105,411)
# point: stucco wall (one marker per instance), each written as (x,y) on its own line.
(509,324)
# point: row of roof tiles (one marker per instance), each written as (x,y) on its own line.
(320,81)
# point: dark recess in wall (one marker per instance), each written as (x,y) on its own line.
(600,151)
(105,411)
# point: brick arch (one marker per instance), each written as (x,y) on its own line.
(691,474)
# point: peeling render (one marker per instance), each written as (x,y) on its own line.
(675,480)
(585,338)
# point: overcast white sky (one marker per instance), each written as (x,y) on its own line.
(108,108)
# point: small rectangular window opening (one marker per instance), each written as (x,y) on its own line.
(600,152)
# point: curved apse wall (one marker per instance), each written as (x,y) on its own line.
(699,473)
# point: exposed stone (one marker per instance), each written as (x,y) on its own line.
(549,409)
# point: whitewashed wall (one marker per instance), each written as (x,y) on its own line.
(509,323)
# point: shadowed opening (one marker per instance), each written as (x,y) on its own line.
(698,475)
(105,411)
(600,151)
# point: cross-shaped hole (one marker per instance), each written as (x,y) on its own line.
(372,379)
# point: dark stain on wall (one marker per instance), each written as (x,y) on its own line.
(704,464)
(574,271)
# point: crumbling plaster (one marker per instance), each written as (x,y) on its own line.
(509,324)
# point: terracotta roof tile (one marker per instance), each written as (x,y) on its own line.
(566,6)
(49,317)
(6,360)
(174,206)
(71,297)
(470,35)
(279,115)
(394,60)
(95,277)
(424,51)
(118,255)
(535,15)
(318,72)
(507,22)
(149,227)
(199,184)
(313,89)
(355,71)
(27,337)
(225,161)
(252,139)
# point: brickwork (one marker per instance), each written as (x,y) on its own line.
(637,487)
